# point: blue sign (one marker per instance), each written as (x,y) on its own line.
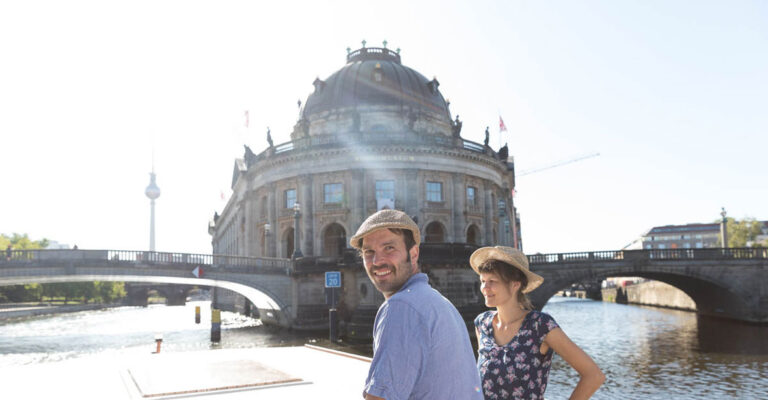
(332,279)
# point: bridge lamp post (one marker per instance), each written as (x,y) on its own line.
(724,228)
(296,247)
(267,234)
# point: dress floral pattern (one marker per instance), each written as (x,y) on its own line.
(516,370)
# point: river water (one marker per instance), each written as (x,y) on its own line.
(646,353)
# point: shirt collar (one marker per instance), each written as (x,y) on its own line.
(414,280)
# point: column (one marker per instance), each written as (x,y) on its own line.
(273,239)
(307,214)
(489,210)
(357,201)
(412,192)
(459,207)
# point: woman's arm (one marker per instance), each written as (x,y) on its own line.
(477,336)
(591,376)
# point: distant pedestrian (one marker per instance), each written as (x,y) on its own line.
(514,342)
(421,348)
(74,247)
(8,252)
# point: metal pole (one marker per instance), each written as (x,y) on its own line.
(333,320)
(334,325)
(215,326)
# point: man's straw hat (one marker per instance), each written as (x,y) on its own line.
(382,220)
(509,255)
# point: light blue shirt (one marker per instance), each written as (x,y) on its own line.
(421,348)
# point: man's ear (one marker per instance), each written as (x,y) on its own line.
(414,252)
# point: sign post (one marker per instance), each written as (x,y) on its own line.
(332,285)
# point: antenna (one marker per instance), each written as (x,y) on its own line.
(557,164)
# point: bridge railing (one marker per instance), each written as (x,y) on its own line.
(756,253)
(146,257)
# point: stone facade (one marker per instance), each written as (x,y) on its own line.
(373,130)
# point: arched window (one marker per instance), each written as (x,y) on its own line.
(473,235)
(288,244)
(334,240)
(434,233)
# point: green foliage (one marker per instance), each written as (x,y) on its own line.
(743,232)
(107,292)
(22,242)
(100,292)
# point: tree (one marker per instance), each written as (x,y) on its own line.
(22,242)
(743,233)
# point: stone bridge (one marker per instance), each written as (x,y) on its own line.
(730,283)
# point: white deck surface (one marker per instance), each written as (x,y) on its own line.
(309,373)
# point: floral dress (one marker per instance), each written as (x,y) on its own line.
(516,370)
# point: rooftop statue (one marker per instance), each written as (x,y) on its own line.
(456,127)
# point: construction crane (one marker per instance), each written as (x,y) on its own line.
(557,164)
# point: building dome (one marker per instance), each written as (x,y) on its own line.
(373,135)
(374,80)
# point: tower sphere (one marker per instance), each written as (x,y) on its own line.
(152,191)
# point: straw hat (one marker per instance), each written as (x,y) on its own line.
(509,255)
(385,219)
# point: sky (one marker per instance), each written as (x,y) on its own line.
(671,94)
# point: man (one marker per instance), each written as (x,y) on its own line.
(421,348)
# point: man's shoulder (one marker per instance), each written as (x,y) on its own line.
(419,295)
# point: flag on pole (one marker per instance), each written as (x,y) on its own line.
(246,118)
(502,127)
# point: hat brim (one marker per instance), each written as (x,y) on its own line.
(484,254)
(356,240)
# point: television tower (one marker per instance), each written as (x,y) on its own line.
(153,192)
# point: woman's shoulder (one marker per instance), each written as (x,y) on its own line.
(483,318)
(543,319)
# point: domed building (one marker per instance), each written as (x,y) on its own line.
(375,134)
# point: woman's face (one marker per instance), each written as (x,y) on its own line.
(496,291)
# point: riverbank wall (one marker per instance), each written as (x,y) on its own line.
(651,293)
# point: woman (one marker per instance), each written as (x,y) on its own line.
(514,342)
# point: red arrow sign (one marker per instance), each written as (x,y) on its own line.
(197,272)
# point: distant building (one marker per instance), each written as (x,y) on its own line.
(375,134)
(54,245)
(688,236)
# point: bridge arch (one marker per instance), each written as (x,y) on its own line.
(273,307)
(713,296)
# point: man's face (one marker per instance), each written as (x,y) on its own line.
(386,261)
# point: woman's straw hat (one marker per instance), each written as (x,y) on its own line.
(509,255)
